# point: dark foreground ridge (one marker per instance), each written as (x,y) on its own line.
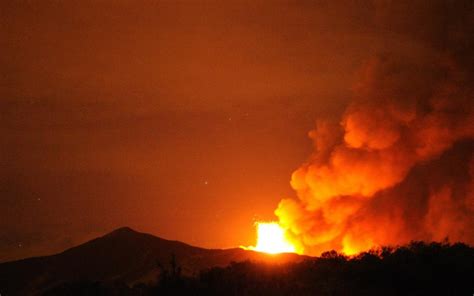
(123,256)
(126,262)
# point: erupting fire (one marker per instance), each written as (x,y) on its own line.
(383,173)
(271,239)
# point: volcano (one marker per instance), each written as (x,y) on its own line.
(123,255)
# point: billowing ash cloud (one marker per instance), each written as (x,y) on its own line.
(398,166)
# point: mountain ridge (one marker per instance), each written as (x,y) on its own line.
(123,254)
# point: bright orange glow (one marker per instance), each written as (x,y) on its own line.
(349,251)
(271,239)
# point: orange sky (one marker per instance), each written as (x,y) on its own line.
(180,119)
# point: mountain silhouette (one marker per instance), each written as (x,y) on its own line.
(122,255)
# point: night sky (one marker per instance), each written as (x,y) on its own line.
(183,119)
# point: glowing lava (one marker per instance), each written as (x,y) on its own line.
(271,239)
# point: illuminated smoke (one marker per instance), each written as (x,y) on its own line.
(397,166)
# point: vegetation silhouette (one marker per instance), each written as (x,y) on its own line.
(415,269)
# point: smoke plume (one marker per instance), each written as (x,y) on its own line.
(398,165)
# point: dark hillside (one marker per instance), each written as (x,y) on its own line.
(123,255)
